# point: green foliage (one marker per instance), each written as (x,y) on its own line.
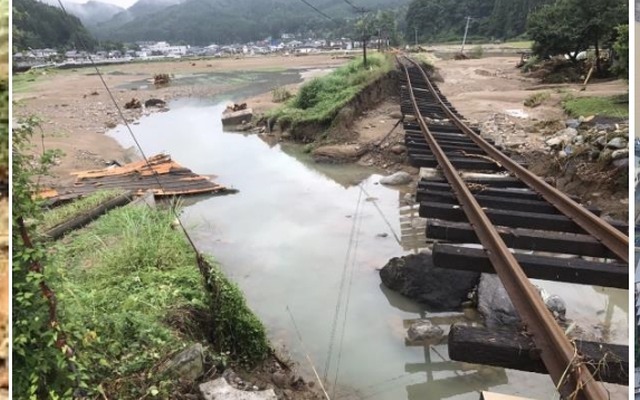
(204,22)
(119,279)
(603,106)
(570,26)
(445,20)
(621,48)
(320,100)
(66,212)
(536,99)
(40,369)
(530,63)
(280,94)
(237,330)
(37,25)
(476,52)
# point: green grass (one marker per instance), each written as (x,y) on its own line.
(536,99)
(602,106)
(126,287)
(320,100)
(64,213)
(520,44)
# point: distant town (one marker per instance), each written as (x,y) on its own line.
(286,45)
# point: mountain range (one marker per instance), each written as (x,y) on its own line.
(219,21)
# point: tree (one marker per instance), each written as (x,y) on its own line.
(570,26)
(365,25)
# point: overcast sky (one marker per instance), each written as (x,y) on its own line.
(121,3)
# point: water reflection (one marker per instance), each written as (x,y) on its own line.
(284,236)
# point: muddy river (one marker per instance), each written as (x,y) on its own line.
(297,235)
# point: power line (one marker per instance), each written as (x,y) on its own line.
(126,123)
(357,9)
(316,10)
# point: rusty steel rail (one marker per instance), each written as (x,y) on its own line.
(572,379)
(609,236)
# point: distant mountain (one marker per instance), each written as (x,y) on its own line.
(139,9)
(91,13)
(223,21)
(38,25)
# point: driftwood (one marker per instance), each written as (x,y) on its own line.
(83,219)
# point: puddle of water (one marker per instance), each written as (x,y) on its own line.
(517,113)
(253,78)
(284,239)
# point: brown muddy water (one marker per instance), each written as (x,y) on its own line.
(291,237)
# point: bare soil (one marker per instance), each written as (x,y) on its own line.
(76,110)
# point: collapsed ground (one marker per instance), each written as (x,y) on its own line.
(492,94)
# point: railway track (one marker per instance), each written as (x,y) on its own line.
(526,227)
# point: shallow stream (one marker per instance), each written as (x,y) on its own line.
(286,238)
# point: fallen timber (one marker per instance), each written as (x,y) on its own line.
(440,138)
(163,176)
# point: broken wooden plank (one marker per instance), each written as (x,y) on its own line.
(572,270)
(161,175)
(515,350)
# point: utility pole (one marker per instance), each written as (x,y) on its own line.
(464,39)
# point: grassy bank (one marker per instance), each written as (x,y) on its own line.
(62,214)
(615,106)
(319,101)
(130,295)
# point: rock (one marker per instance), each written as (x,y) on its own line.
(605,127)
(399,178)
(220,389)
(279,379)
(556,305)
(382,235)
(618,154)
(617,143)
(338,153)
(554,142)
(133,104)
(188,364)
(621,164)
(578,139)
(572,123)
(409,118)
(423,330)
(395,114)
(439,289)
(155,103)
(601,141)
(497,309)
(398,149)
(494,303)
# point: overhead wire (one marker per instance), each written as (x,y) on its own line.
(358,223)
(316,10)
(130,131)
(345,268)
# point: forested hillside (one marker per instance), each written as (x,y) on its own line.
(219,21)
(445,19)
(37,25)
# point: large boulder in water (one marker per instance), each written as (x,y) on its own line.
(497,309)
(439,289)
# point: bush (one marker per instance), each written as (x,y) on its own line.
(536,99)
(476,52)
(280,94)
(320,100)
